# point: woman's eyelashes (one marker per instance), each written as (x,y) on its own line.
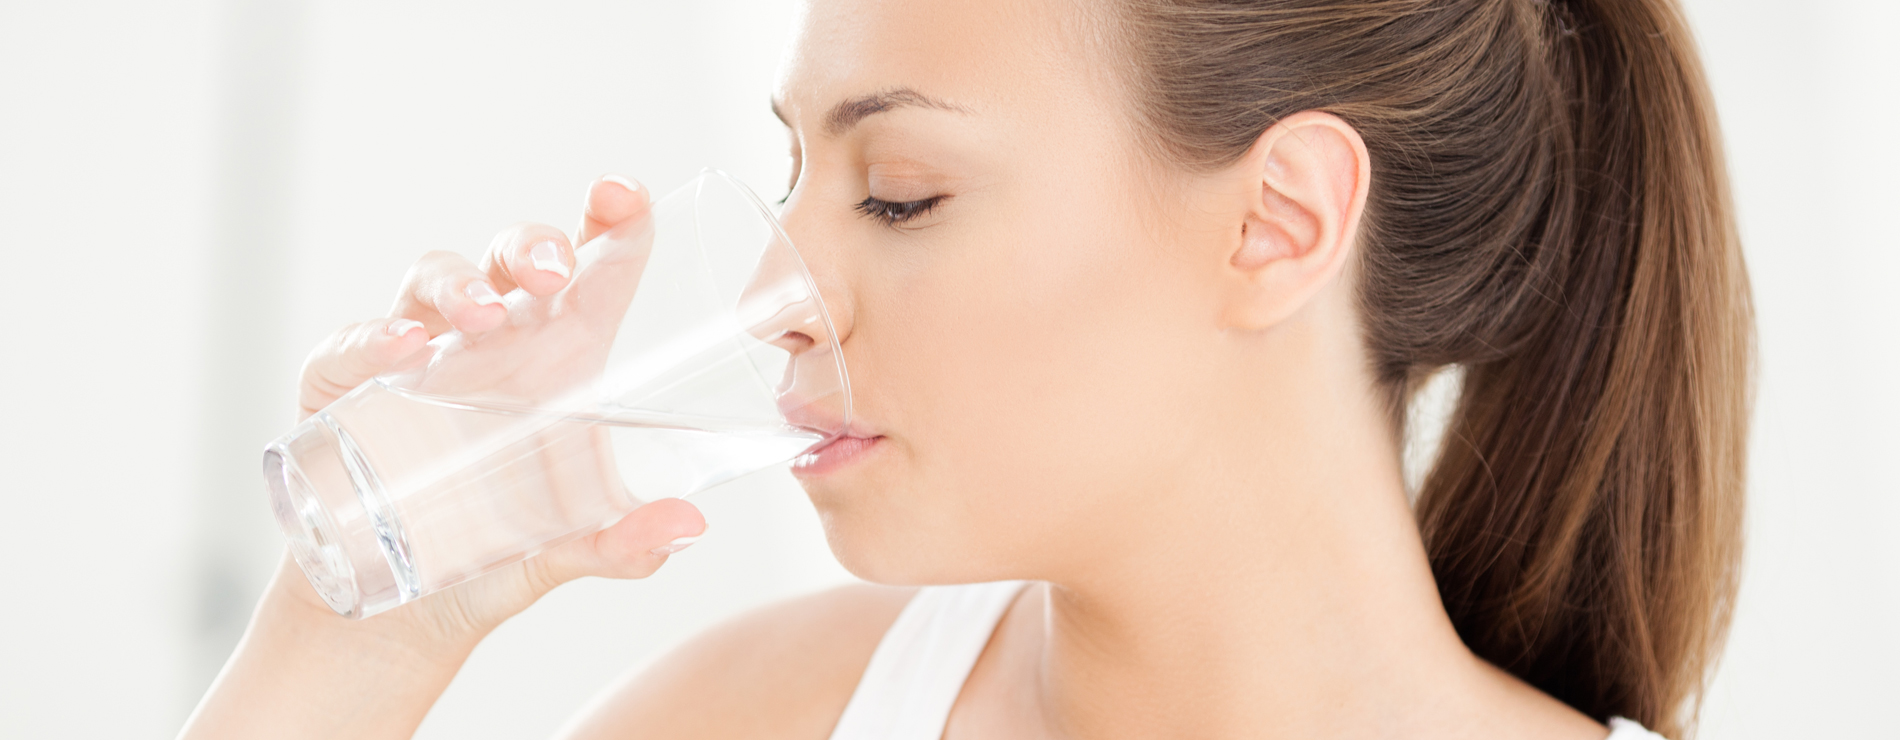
(891,213)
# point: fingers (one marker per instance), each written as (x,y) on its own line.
(611,200)
(533,257)
(618,238)
(355,354)
(632,548)
(444,291)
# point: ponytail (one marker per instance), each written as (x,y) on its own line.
(1549,211)
(1584,521)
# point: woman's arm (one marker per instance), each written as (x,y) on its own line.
(301,671)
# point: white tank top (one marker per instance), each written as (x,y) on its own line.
(920,665)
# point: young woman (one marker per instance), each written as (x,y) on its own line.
(1134,295)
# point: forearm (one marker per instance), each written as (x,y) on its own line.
(302,672)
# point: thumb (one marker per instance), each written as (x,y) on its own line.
(634,547)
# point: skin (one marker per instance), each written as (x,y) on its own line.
(1142,388)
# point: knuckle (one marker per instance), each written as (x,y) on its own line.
(439,262)
(429,261)
(319,376)
(427,269)
(499,245)
(513,240)
(348,356)
(331,346)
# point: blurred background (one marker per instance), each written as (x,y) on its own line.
(193,193)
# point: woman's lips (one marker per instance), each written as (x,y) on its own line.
(834,455)
(855,440)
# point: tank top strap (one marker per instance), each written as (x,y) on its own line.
(920,665)
(1623,729)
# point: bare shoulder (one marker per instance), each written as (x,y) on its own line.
(782,671)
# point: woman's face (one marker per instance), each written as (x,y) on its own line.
(1021,300)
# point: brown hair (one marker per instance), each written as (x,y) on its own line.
(1549,211)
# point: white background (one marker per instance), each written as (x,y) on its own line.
(192,194)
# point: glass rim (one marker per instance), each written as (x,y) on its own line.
(699,181)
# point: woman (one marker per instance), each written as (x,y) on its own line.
(1134,296)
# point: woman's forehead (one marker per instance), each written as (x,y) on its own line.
(953,55)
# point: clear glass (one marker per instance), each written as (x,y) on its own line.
(690,348)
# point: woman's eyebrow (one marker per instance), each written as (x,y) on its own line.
(849,112)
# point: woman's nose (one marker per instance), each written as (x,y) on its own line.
(786,306)
(781,306)
(797,286)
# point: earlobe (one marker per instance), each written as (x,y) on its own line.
(1306,187)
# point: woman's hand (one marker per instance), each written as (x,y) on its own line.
(536,346)
(303,671)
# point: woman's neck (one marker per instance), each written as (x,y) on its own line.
(1302,602)
(1281,591)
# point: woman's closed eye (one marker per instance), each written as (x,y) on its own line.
(891,213)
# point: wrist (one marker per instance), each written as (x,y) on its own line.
(303,672)
(405,638)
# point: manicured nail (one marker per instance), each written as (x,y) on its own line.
(547,256)
(400,327)
(631,186)
(483,293)
(676,545)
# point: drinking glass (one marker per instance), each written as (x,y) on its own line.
(689,349)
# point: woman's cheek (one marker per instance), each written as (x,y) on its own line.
(1014,351)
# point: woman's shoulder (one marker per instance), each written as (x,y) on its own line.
(785,670)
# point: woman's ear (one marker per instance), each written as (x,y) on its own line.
(1307,181)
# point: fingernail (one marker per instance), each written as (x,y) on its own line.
(547,256)
(400,327)
(483,293)
(676,545)
(630,185)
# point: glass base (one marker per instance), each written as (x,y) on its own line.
(354,555)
